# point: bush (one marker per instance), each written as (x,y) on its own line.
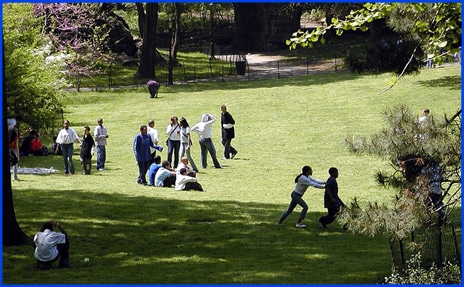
(415,273)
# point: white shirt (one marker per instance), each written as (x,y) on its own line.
(203,128)
(46,242)
(181,180)
(154,137)
(66,136)
(182,165)
(173,135)
(100,135)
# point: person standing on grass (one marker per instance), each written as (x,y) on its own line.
(185,143)
(100,135)
(204,130)
(154,138)
(65,139)
(141,146)
(87,150)
(332,202)
(303,181)
(50,245)
(173,132)
(13,144)
(228,133)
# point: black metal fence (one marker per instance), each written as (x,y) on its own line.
(437,244)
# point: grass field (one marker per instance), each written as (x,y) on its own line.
(137,234)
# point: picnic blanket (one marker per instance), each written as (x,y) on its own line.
(35,170)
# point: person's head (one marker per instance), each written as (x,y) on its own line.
(426,112)
(100,121)
(183,122)
(174,120)
(66,124)
(166,164)
(223,109)
(333,171)
(34,134)
(184,160)
(143,129)
(151,123)
(18,119)
(86,130)
(307,170)
(183,171)
(157,159)
(205,118)
(47,225)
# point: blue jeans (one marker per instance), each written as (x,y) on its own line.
(67,158)
(101,156)
(296,200)
(173,148)
(144,166)
(207,145)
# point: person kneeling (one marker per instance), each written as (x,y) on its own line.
(186,182)
(50,245)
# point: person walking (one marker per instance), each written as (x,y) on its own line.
(228,133)
(204,130)
(50,245)
(173,141)
(332,202)
(303,181)
(65,139)
(100,135)
(87,150)
(141,146)
(185,143)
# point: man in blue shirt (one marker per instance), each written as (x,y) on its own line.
(141,146)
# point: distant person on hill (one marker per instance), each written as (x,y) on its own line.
(87,150)
(303,181)
(13,145)
(153,87)
(154,138)
(186,143)
(332,201)
(173,141)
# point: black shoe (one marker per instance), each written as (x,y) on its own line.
(233,155)
(321,224)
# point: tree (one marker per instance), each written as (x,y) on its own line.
(32,80)
(417,152)
(148,55)
(435,27)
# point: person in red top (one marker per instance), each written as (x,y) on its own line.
(35,146)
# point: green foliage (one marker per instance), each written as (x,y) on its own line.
(32,80)
(414,273)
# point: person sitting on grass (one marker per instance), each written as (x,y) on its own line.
(154,167)
(165,176)
(186,182)
(35,146)
(50,245)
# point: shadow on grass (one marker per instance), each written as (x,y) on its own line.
(156,240)
(448,82)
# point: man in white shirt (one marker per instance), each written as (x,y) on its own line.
(100,135)
(65,139)
(50,245)
(154,138)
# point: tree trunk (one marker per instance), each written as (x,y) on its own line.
(148,50)
(12,233)
(175,37)
(141,18)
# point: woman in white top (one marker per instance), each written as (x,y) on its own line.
(186,142)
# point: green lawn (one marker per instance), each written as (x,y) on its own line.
(137,234)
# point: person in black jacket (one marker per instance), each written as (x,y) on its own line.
(228,133)
(87,150)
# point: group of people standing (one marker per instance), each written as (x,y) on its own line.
(179,142)
(332,201)
(64,145)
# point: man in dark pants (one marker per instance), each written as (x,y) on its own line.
(331,200)
(50,245)
(228,133)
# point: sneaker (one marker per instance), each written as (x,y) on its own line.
(278,224)
(322,225)
(300,225)
(224,158)
(100,169)
(233,155)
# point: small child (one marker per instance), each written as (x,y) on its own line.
(87,150)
